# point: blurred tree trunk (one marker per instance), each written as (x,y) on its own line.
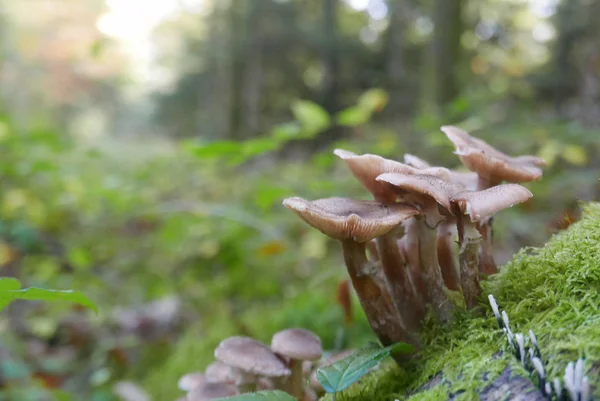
(330,59)
(236,18)
(447,19)
(395,43)
(253,74)
(569,31)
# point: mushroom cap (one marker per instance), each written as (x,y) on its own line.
(297,344)
(219,372)
(415,161)
(210,391)
(344,219)
(467,179)
(481,204)
(423,185)
(367,167)
(490,163)
(191,380)
(251,356)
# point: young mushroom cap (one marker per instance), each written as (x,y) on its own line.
(219,372)
(481,204)
(441,191)
(367,167)
(490,163)
(250,356)
(415,161)
(211,391)
(298,344)
(191,380)
(344,219)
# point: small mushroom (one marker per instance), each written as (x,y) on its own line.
(190,381)
(219,372)
(297,345)
(252,358)
(354,223)
(210,391)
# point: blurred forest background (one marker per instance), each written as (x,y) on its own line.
(147,145)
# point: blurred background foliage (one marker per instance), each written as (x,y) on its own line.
(146,148)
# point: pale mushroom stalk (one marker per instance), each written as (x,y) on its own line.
(469,240)
(487,264)
(410,246)
(394,267)
(377,303)
(446,255)
(430,266)
(296,380)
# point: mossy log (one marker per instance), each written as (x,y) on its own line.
(553,290)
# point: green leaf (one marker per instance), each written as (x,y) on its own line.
(353,116)
(311,116)
(270,395)
(216,149)
(10,290)
(343,373)
(373,100)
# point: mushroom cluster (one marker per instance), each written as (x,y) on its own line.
(244,364)
(410,228)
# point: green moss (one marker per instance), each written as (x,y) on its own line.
(554,290)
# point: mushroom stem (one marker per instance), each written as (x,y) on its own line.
(375,300)
(446,255)
(247,382)
(410,245)
(487,265)
(296,380)
(431,271)
(469,241)
(408,305)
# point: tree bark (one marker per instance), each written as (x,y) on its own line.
(447,19)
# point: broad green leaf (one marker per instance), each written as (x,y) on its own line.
(353,116)
(216,149)
(575,155)
(286,131)
(9,284)
(311,116)
(343,373)
(10,290)
(270,395)
(373,100)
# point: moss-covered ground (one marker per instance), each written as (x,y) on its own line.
(554,290)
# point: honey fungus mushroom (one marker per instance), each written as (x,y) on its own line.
(492,168)
(468,207)
(354,223)
(191,380)
(251,359)
(210,391)
(297,345)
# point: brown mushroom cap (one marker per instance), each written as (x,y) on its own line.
(482,204)
(250,356)
(219,372)
(210,391)
(367,167)
(298,344)
(190,381)
(343,219)
(415,161)
(434,187)
(490,163)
